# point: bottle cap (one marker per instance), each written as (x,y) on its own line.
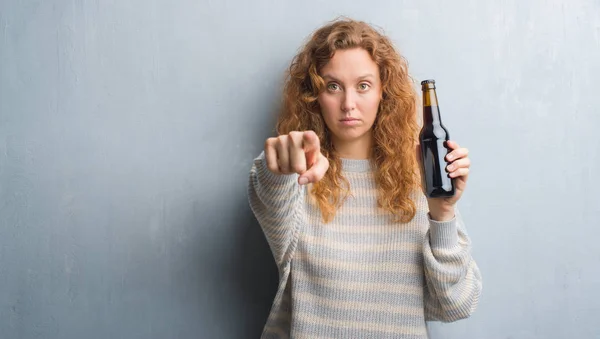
(429,83)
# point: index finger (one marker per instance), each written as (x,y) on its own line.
(311,146)
(452,144)
(316,172)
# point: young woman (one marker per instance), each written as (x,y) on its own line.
(361,252)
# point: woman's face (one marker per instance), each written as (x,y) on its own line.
(350,100)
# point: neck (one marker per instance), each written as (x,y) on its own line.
(354,149)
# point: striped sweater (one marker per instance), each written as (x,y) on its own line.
(361,275)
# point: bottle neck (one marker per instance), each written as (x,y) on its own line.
(429,97)
(431,110)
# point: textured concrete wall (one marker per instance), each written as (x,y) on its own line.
(127,129)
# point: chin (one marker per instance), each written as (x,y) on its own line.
(351,134)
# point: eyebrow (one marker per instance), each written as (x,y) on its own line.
(363,77)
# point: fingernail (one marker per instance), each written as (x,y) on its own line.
(450,157)
(303,181)
(450,167)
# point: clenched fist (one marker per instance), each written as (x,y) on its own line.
(297,152)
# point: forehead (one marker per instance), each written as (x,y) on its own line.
(350,63)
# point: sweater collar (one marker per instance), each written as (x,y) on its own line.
(356,165)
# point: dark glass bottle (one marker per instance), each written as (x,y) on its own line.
(433,139)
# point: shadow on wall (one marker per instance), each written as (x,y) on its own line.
(256,277)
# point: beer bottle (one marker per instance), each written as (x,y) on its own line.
(433,138)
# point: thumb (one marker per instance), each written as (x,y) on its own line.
(316,172)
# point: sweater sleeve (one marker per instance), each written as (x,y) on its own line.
(453,280)
(275,201)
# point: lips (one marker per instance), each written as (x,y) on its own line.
(350,122)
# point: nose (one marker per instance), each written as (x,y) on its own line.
(348,102)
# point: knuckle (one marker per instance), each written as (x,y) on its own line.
(296,139)
(297,168)
(282,142)
(312,134)
(270,142)
(317,140)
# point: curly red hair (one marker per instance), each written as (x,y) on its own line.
(395,129)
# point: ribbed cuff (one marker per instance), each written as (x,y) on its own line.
(443,234)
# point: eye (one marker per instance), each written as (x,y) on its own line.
(333,87)
(364,86)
